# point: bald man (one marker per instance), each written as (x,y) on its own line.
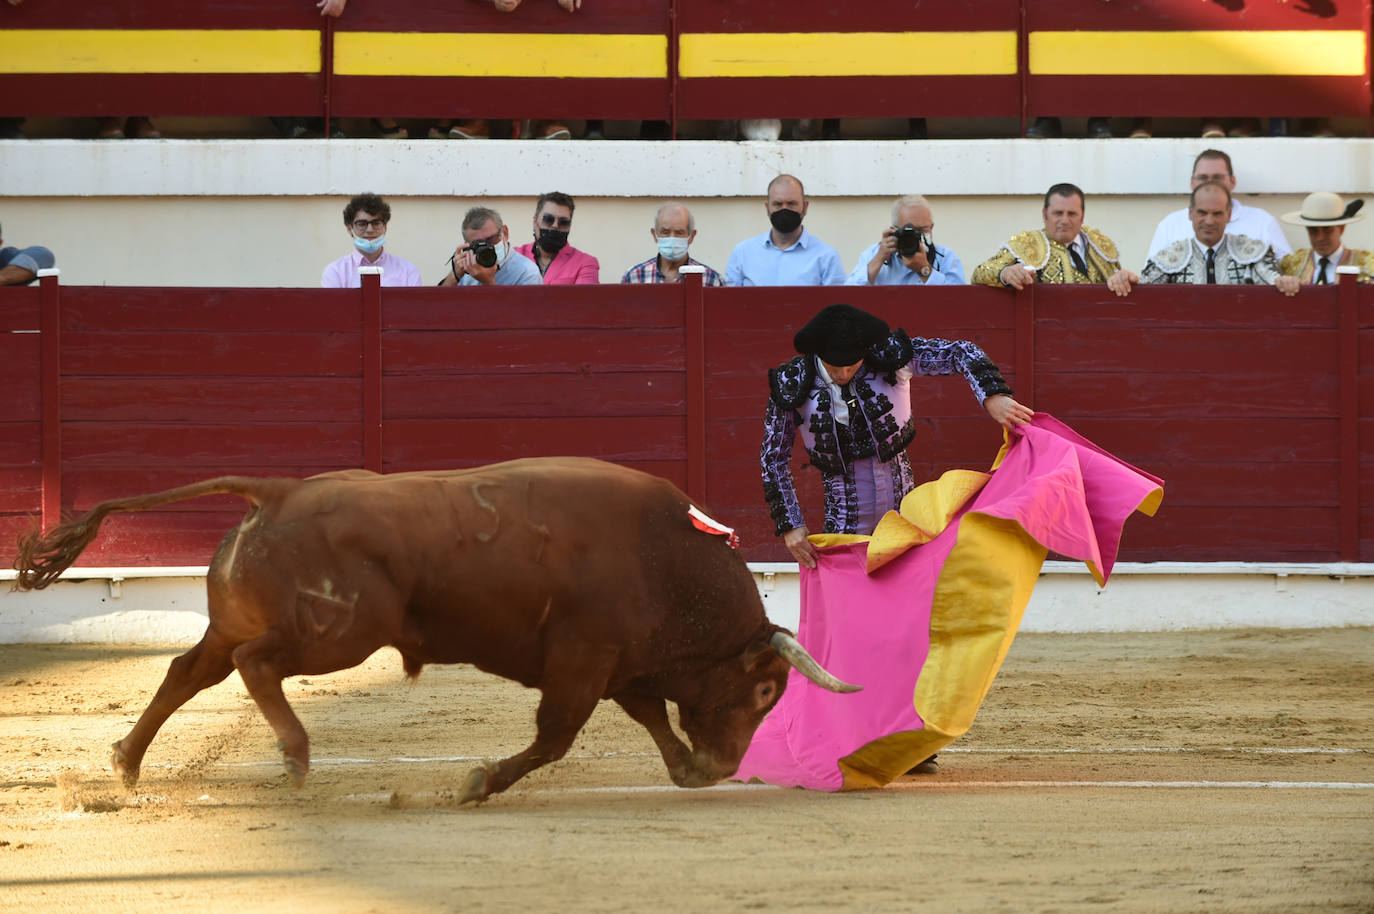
(786,254)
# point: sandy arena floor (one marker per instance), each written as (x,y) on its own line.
(1216,771)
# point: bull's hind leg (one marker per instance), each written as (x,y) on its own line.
(263,663)
(574,681)
(202,666)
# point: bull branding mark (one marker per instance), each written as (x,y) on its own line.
(322,614)
(486,536)
(541,529)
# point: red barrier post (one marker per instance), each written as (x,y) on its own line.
(50,392)
(371,341)
(1349,368)
(694,329)
(1025,346)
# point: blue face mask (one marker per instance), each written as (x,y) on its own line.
(671,249)
(502,252)
(369,246)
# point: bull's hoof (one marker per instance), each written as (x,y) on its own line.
(475,788)
(120,763)
(296,769)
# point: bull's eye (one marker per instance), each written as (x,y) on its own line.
(764,693)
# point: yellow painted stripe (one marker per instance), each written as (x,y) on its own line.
(1230,53)
(159,51)
(706,54)
(491,54)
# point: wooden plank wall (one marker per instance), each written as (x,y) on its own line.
(1234,396)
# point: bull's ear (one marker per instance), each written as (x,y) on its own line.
(757,655)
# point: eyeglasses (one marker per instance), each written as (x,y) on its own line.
(362,225)
(562,222)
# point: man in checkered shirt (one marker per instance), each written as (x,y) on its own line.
(674,228)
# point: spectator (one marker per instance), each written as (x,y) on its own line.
(1046,128)
(1213,255)
(1064,251)
(20,266)
(367,216)
(1325,216)
(786,254)
(559,263)
(906,255)
(673,232)
(485,256)
(1215,165)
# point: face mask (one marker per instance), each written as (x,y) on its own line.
(502,252)
(786,221)
(672,249)
(552,240)
(369,245)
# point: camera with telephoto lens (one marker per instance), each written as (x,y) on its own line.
(909,240)
(484,252)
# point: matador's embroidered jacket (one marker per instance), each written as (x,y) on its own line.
(1303,264)
(877,434)
(1240,261)
(1050,259)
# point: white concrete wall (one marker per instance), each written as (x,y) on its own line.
(167,606)
(268,212)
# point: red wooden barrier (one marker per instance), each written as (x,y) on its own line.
(1257,409)
(670,59)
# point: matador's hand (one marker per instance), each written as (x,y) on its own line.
(1007,412)
(797,543)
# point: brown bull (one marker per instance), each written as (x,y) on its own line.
(582,579)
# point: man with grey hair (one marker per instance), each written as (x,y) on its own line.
(673,231)
(485,256)
(906,254)
(20,266)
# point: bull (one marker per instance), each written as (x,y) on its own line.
(579,578)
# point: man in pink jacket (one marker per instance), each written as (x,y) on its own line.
(559,263)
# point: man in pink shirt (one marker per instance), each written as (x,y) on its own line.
(559,263)
(367,216)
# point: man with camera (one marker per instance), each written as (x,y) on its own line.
(906,255)
(486,258)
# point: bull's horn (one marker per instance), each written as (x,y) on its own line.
(792,651)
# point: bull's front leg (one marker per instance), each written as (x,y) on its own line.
(652,714)
(574,680)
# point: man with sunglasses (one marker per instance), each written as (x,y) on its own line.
(366,216)
(559,263)
(485,257)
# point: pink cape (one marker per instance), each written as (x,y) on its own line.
(922,613)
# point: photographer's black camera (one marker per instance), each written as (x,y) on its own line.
(909,240)
(484,252)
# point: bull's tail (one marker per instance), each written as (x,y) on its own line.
(42,557)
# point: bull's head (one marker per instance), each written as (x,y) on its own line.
(735,697)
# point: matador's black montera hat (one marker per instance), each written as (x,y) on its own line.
(840,334)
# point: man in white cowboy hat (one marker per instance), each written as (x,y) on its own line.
(1326,215)
(1214,256)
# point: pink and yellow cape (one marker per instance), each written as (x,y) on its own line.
(922,613)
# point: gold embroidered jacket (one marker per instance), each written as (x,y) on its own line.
(1051,260)
(1303,264)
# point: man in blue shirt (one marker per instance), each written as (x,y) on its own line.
(785,255)
(906,255)
(20,266)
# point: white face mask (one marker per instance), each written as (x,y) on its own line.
(369,245)
(672,249)
(502,252)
